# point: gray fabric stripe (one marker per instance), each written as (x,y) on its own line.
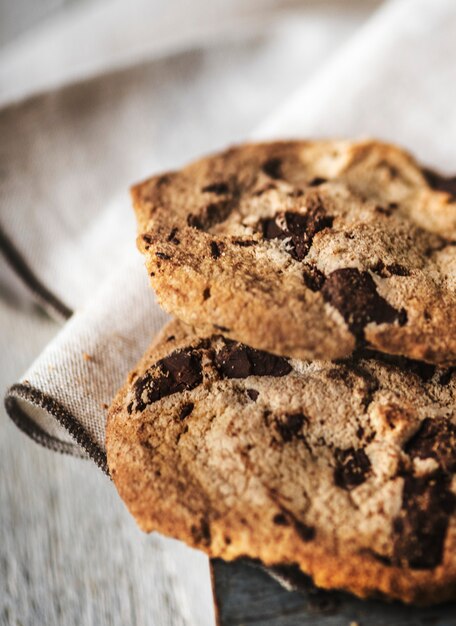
(46,298)
(63,416)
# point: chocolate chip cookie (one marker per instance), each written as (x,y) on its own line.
(346,469)
(307,249)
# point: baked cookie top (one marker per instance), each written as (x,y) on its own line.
(345,469)
(307,249)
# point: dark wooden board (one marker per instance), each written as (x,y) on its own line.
(245,595)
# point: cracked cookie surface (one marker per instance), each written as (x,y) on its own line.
(307,249)
(345,469)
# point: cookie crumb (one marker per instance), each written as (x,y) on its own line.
(87,357)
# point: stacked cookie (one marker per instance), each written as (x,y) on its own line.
(302,410)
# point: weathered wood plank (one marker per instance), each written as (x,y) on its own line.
(246,594)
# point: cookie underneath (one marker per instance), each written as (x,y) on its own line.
(346,470)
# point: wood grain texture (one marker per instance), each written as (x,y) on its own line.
(246,594)
(69,552)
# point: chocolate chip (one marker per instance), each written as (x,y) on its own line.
(301,228)
(313,278)
(186,410)
(218,188)
(177,372)
(280,519)
(194,221)
(172,236)
(436,439)
(245,243)
(354,294)
(163,180)
(393,269)
(271,230)
(147,238)
(206,293)
(236,360)
(289,425)
(215,250)
(253,394)
(202,533)
(440,183)
(162,255)
(420,528)
(352,468)
(170,338)
(307,533)
(215,213)
(273,168)
(315,182)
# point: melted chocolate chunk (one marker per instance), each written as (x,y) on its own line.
(313,278)
(317,181)
(206,293)
(186,410)
(162,255)
(300,228)
(354,294)
(439,182)
(289,425)
(215,250)
(245,243)
(236,360)
(194,221)
(177,372)
(253,394)
(421,526)
(436,439)
(393,269)
(201,533)
(215,213)
(219,189)
(273,168)
(352,468)
(164,179)
(271,230)
(172,236)
(307,533)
